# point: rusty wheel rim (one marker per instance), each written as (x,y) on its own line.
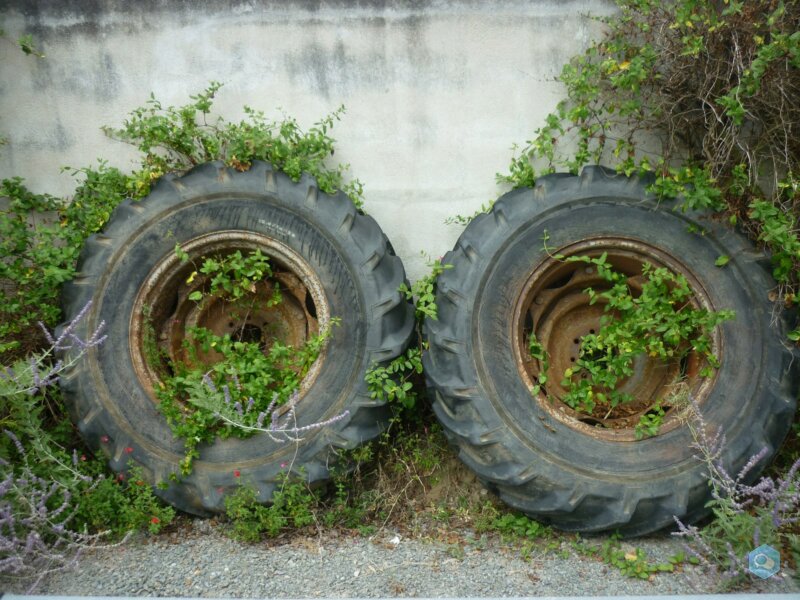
(163,313)
(554,306)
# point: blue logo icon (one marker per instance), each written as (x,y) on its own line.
(764,561)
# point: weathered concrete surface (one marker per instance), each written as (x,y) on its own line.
(436,92)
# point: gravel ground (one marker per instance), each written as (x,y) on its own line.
(198,560)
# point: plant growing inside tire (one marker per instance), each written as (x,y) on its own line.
(278,262)
(649,315)
(545,453)
(232,374)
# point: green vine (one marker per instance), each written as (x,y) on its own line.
(238,393)
(393,382)
(174,139)
(423,291)
(702,94)
(33,265)
(658,321)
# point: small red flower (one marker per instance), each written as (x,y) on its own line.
(83,458)
(104,439)
(155,520)
(120,476)
(128,450)
(283,465)
(236,472)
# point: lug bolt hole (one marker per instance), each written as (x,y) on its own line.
(251,334)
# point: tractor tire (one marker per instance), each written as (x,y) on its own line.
(547,460)
(335,262)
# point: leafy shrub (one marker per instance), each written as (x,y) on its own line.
(121,504)
(49,495)
(292,504)
(746,515)
(174,139)
(23,411)
(658,322)
(702,94)
(36,515)
(33,264)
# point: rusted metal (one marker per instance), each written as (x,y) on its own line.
(554,306)
(164,316)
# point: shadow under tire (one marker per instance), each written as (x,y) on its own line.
(337,253)
(559,467)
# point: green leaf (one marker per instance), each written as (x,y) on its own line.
(722,260)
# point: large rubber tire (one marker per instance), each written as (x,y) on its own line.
(541,465)
(359,275)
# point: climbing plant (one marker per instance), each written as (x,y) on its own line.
(701,95)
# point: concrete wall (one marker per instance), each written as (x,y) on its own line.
(436,92)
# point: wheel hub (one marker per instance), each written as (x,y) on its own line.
(555,308)
(164,316)
(257,321)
